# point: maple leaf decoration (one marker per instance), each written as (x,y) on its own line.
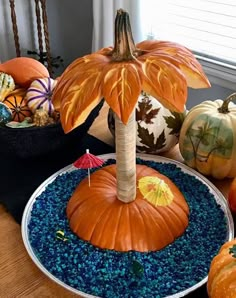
(174,122)
(162,69)
(148,139)
(144,111)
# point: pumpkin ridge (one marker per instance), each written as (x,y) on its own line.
(160,215)
(44,85)
(124,225)
(9,102)
(222,281)
(181,206)
(171,217)
(79,216)
(161,242)
(175,214)
(218,265)
(139,226)
(118,224)
(113,223)
(91,226)
(35,90)
(100,229)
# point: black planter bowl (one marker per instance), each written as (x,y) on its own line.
(34,142)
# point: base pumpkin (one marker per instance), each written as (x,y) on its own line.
(96,215)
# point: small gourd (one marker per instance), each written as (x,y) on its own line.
(5,114)
(18,106)
(222,272)
(39,95)
(41,117)
(208,138)
(157,127)
(7,85)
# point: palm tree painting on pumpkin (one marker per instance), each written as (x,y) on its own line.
(113,213)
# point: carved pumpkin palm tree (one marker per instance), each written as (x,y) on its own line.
(162,69)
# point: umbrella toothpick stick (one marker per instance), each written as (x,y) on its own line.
(89,177)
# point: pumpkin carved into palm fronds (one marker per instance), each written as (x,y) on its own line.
(162,69)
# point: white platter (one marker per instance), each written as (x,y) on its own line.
(27,217)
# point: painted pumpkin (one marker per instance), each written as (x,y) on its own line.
(24,70)
(208,138)
(232,196)
(18,106)
(157,127)
(7,85)
(39,95)
(162,69)
(221,278)
(110,220)
(5,114)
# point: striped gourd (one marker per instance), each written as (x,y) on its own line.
(7,85)
(39,95)
(18,106)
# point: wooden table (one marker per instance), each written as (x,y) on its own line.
(19,276)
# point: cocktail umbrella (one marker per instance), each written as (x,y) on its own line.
(155,190)
(88,161)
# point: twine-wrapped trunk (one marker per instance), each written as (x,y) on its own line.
(125,139)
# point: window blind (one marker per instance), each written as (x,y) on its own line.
(207,27)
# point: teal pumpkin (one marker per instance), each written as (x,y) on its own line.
(5,114)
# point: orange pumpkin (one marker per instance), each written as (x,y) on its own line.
(99,217)
(232,196)
(18,106)
(162,69)
(221,279)
(24,70)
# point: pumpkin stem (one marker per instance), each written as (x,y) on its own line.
(124,48)
(225,106)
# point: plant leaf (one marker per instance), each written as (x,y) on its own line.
(180,56)
(165,82)
(121,88)
(79,91)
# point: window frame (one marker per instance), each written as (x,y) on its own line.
(218,72)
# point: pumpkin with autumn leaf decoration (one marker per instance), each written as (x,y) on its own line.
(163,70)
(221,278)
(158,128)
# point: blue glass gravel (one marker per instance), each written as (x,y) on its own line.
(107,273)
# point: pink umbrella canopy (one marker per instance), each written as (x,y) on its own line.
(88,161)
